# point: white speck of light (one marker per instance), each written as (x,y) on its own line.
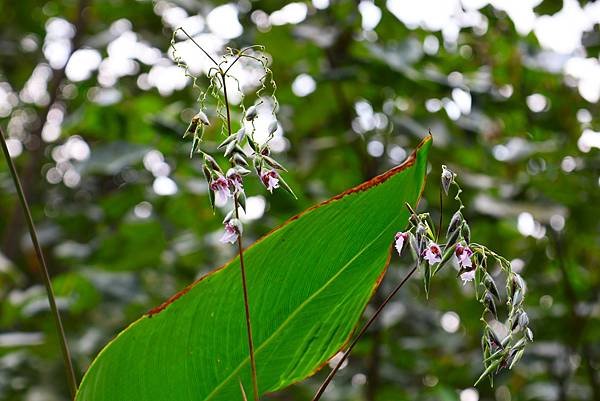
(527,226)
(451,109)
(584,116)
(433,105)
(397,154)
(463,99)
(303,85)
(358,380)
(76,148)
(568,164)
(450,322)
(526,223)
(517,265)
(469,394)
(506,91)
(292,13)
(255,208)
(82,63)
(589,139)
(431,45)
(557,222)
(71,178)
(370,13)
(15,147)
(320,4)
(152,158)
(164,186)
(375,148)
(536,102)
(143,210)
(562,31)
(57,45)
(223,21)
(587,72)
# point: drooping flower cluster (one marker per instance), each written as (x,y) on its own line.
(472,261)
(238,148)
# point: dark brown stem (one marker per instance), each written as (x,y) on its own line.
(45,275)
(199,47)
(242,267)
(362,331)
(32,168)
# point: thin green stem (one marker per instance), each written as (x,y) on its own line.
(362,331)
(242,267)
(70,372)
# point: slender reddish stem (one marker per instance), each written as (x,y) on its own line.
(70,372)
(242,267)
(362,331)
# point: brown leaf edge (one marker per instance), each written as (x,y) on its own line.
(359,188)
(410,161)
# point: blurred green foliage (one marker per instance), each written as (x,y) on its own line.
(116,248)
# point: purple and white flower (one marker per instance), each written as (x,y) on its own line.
(463,254)
(432,254)
(270,179)
(400,240)
(236,183)
(220,186)
(231,233)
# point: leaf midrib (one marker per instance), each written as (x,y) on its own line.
(296,311)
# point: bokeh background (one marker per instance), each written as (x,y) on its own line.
(94,108)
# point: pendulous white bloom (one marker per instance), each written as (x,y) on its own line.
(231,233)
(220,186)
(270,179)
(467,276)
(432,254)
(400,240)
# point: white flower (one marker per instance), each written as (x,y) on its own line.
(468,276)
(400,240)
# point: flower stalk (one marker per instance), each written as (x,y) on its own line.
(230,184)
(69,371)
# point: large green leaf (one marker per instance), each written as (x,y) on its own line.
(308,282)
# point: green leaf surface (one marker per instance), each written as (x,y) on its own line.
(308,281)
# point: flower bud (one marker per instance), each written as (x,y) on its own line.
(239,160)
(529,334)
(447,178)
(201,117)
(466,232)
(491,286)
(523,320)
(455,222)
(251,113)
(240,134)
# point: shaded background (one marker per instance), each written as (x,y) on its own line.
(94,108)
